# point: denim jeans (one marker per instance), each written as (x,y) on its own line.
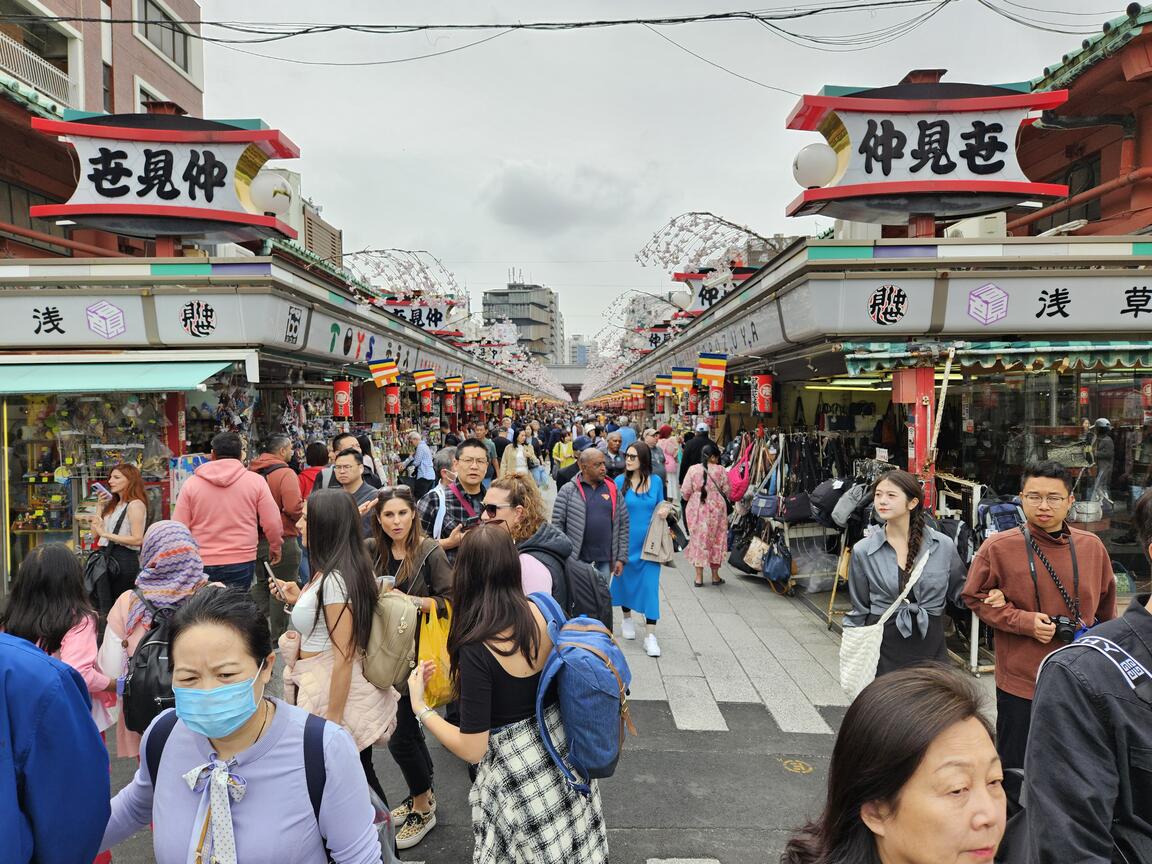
(238,576)
(540,474)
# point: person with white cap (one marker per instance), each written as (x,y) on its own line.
(691,453)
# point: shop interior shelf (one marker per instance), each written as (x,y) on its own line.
(41,530)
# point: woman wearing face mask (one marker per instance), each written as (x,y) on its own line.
(914,778)
(884,561)
(332,614)
(515,503)
(417,567)
(230,783)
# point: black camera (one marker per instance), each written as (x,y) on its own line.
(1065,629)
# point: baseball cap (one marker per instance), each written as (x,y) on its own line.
(701,427)
(581,442)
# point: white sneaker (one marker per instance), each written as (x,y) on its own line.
(628,628)
(651,646)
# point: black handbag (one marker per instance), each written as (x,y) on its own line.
(796,508)
(101,571)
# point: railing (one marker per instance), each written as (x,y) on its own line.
(34,70)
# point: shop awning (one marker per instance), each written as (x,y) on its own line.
(105,377)
(862,357)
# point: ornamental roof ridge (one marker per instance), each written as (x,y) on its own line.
(1116,33)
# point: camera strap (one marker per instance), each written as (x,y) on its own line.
(1033,551)
(1135,675)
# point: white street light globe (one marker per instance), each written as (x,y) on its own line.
(815,166)
(681,299)
(458,314)
(271,193)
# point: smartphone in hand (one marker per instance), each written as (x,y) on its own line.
(272,586)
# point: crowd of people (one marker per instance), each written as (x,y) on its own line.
(267,565)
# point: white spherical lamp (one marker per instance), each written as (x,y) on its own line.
(271,193)
(815,166)
(681,299)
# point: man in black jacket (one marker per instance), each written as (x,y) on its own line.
(691,454)
(1088,768)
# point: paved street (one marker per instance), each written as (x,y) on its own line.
(736,725)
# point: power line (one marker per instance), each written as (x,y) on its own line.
(298,62)
(718,66)
(1040,24)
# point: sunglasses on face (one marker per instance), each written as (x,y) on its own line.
(490,510)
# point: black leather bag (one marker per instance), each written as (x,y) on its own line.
(101,572)
(148,684)
(796,508)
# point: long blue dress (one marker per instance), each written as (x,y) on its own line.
(638,587)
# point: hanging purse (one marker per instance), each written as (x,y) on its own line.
(754,557)
(860,646)
(776,568)
(796,508)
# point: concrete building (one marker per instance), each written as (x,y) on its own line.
(581,349)
(535,310)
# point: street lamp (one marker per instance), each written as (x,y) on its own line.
(271,193)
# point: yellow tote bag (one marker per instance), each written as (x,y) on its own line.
(434,646)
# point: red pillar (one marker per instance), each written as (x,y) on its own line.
(917,389)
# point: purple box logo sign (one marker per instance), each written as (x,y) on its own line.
(988,304)
(105,320)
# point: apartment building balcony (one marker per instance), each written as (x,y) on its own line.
(42,73)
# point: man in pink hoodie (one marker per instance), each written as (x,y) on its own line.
(222,504)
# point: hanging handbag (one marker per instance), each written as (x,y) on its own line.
(860,646)
(101,571)
(796,508)
(739,475)
(754,557)
(776,568)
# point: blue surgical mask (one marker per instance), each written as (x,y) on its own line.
(218,712)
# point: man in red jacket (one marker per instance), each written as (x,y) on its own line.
(225,506)
(272,465)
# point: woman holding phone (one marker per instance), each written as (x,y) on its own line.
(119,527)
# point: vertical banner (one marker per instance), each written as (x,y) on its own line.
(693,401)
(426,401)
(716,400)
(392,400)
(762,394)
(342,399)
(469,403)
(449,403)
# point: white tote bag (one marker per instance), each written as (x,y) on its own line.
(860,646)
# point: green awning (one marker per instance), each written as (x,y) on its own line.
(106,377)
(863,357)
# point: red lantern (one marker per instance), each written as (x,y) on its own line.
(762,394)
(426,401)
(693,401)
(392,399)
(341,398)
(469,403)
(449,403)
(715,400)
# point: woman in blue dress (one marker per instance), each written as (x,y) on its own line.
(638,587)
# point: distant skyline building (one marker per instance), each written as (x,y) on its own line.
(535,310)
(581,350)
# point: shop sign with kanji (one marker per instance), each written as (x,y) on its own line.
(432,317)
(930,148)
(154,175)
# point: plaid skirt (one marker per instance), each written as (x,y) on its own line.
(524,811)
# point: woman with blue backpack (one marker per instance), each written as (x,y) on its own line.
(523,807)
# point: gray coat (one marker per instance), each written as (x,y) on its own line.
(569,513)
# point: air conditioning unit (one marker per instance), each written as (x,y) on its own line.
(989,225)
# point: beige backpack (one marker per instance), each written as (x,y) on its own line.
(391,653)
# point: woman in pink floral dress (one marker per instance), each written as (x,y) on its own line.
(705,492)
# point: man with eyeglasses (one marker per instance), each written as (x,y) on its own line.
(348,469)
(463,497)
(1038,586)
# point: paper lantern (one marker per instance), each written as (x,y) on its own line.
(449,403)
(715,400)
(341,398)
(469,403)
(762,394)
(426,402)
(392,399)
(693,401)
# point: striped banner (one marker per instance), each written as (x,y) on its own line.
(424,378)
(384,371)
(664,384)
(710,369)
(471,388)
(636,389)
(453,383)
(682,377)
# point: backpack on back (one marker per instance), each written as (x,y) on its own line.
(148,684)
(591,678)
(578,588)
(391,653)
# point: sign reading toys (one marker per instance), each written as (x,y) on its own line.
(920,147)
(154,175)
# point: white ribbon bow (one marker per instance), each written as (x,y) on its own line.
(221,784)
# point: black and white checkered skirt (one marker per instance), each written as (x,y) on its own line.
(524,811)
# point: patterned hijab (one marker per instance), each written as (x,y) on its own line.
(170,570)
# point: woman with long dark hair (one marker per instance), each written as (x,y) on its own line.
(914,778)
(121,522)
(704,493)
(638,586)
(408,562)
(523,809)
(332,614)
(884,561)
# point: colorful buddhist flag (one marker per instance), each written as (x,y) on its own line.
(425,378)
(664,384)
(636,389)
(453,383)
(384,371)
(682,377)
(471,388)
(710,369)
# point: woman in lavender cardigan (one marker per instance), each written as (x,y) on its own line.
(231,782)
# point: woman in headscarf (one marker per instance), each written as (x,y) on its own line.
(170,572)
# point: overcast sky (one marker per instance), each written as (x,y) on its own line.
(559,154)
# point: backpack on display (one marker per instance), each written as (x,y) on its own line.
(391,653)
(851,505)
(591,678)
(148,684)
(961,535)
(824,498)
(1002,513)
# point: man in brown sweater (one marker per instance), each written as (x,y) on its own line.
(1020,595)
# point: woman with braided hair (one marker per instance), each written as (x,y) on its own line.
(882,565)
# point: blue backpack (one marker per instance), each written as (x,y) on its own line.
(591,678)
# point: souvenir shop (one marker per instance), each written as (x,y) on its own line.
(110,360)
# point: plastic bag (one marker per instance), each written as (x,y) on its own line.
(434,646)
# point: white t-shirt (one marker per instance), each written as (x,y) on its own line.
(314,633)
